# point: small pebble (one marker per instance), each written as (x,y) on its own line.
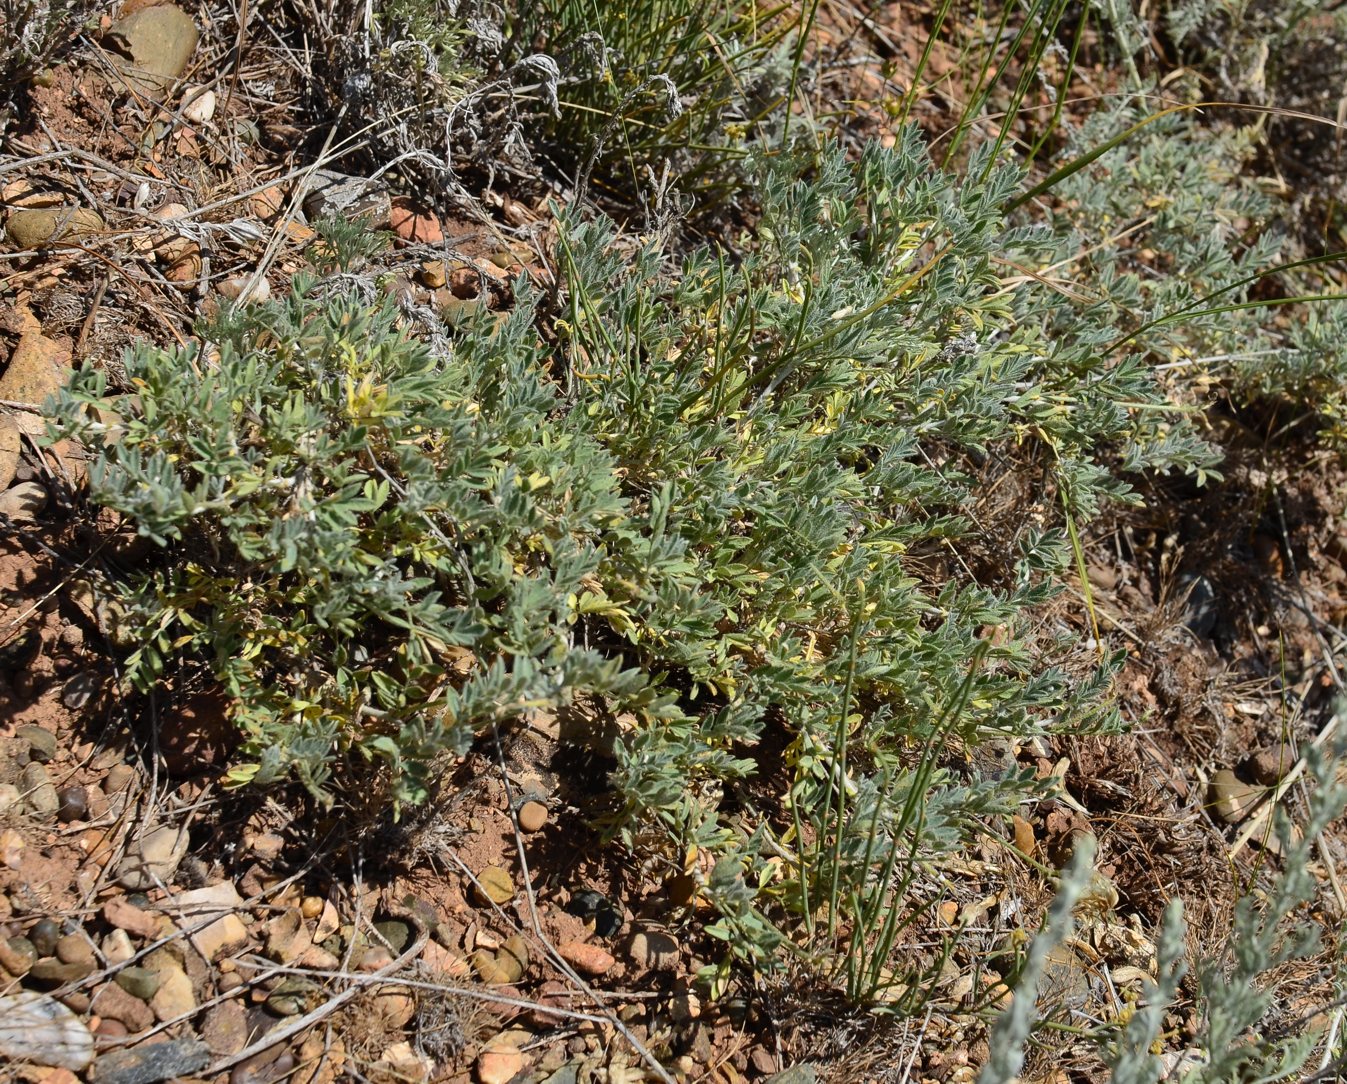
(495,884)
(44,934)
(139,982)
(532,816)
(74,804)
(74,948)
(41,742)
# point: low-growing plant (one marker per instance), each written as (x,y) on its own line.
(32,33)
(1237,984)
(707,505)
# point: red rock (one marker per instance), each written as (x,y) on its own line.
(589,959)
(415,223)
(499,1064)
(111,1002)
(126,916)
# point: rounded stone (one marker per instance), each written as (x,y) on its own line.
(532,816)
(73,804)
(74,948)
(43,935)
(41,742)
(33,227)
(158,42)
(139,982)
(495,884)
(39,791)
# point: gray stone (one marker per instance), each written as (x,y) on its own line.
(149,1064)
(139,982)
(40,797)
(39,1030)
(152,858)
(339,195)
(804,1073)
(41,741)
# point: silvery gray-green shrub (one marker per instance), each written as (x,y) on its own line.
(706,500)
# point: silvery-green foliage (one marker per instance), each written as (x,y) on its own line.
(32,32)
(1130,1059)
(1270,929)
(1159,253)
(692,503)
(1012,1029)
